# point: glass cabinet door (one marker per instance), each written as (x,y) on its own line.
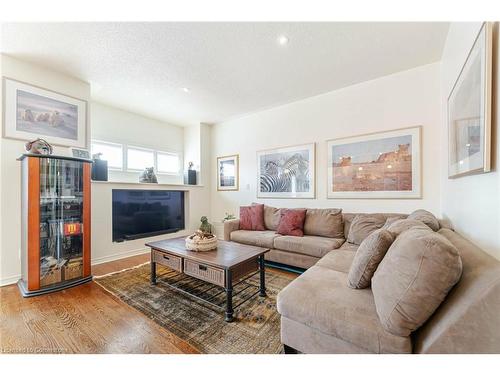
(61,220)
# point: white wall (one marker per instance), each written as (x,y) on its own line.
(404,99)
(119,126)
(472,203)
(10,171)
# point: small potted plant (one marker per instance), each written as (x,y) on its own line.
(228,217)
(202,239)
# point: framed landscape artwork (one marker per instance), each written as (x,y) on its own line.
(469,111)
(287,172)
(228,173)
(378,165)
(31,112)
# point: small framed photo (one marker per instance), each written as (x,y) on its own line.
(228,173)
(31,112)
(79,153)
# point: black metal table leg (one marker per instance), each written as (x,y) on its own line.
(153,270)
(262,269)
(229,296)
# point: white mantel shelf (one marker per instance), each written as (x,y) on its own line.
(144,184)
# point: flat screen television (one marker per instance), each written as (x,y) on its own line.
(146,213)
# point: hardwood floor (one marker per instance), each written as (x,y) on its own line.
(83,319)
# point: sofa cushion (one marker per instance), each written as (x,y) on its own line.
(272,217)
(252,217)
(338,260)
(292,222)
(369,255)
(262,238)
(468,320)
(364,224)
(425,217)
(321,299)
(309,245)
(349,246)
(349,217)
(413,279)
(396,227)
(324,222)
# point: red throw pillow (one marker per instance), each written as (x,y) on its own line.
(292,222)
(252,217)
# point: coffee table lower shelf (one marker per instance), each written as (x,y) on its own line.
(227,284)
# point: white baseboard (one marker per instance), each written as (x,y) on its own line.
(120,255)
(108,258)
(10,280)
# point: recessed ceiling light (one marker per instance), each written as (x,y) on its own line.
(185,89)
(283,40)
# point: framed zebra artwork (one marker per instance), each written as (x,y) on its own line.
(228,172)
(378,165)
(287,172)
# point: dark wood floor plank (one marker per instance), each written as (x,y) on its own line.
(84,319)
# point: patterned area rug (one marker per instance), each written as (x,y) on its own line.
(256,328)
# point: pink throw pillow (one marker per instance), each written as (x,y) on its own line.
(252,217)
(292,222)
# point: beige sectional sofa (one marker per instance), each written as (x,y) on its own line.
(321,314)
(302,252)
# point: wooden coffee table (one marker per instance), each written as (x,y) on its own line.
(226,266)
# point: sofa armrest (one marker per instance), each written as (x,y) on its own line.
(230,226)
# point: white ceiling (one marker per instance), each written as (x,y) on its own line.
(230,68)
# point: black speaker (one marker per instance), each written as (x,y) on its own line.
(100,170)
(190,177)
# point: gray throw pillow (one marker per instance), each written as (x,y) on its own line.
(399,226)
(367,258)
(324,222)
(425,217)
(364,224)
(412,280)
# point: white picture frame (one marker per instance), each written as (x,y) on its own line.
(31,112)
(287,172)
(469,110)
(228,173)
(382,165)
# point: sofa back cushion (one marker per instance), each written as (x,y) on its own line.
(468,320)
(364,224)
(292,222)
(252,217)
(425,217)
(349,217)
(413,279)
(396,227)
(272,217)
(368,256)
(324,222)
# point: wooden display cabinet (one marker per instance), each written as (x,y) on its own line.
(55,251)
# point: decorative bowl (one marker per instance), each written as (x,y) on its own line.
(195,243)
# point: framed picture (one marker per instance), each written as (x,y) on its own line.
(31,112)
(377,165)
(79,153)
(287,172)
(469,111)
(228,172)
